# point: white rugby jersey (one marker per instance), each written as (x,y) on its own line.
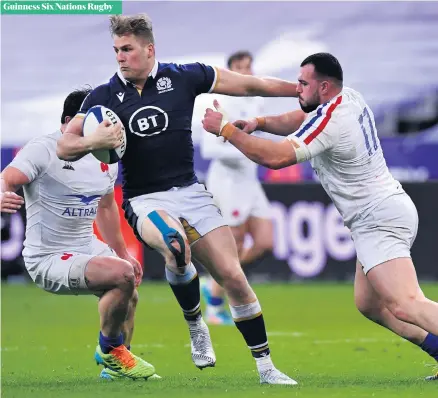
(226,159)
(340,140)
(61,198)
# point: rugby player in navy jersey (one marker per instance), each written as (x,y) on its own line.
(168,209)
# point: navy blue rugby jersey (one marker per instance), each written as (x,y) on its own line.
(157,119)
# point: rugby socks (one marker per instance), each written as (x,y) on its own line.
(185,287)
(109,343)
(430,345)
(249,320)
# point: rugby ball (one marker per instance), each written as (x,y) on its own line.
(96,115)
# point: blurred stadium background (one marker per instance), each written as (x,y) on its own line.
(389,52)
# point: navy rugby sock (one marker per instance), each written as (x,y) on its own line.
(430,345)
(108,343)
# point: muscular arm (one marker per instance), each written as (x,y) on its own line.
(235,84)
(284,124)
(274,155)
(13,179)
(108,222)
(72,146)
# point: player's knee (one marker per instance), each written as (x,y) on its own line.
(179,257)
(264,243)
(174,245)
(366,308)
(124,276)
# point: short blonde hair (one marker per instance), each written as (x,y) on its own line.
(138,25)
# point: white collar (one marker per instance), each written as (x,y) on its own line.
(152,73)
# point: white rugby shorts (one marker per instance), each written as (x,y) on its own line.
(387,232)
(192,206)
(64,273)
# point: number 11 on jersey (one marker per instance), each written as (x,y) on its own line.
(368,130)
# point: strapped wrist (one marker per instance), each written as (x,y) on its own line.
(261,123)
(227,131)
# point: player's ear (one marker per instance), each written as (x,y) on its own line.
(67,119)
(151,50)
(324,86)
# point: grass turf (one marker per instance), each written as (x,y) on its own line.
(316,336)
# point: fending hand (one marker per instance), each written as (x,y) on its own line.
(10,202)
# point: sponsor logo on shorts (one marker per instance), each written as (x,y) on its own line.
(74,283)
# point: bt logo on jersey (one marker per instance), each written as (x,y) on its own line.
(148,121)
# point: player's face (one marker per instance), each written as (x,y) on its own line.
(134,56)
(243,66)
(308,89)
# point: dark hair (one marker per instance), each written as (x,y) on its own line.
(238,56)
(73,102)
(138,25)
(326,65)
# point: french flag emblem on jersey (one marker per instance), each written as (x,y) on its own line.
(318,122)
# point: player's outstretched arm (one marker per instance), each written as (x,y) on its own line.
(108,223)
(235,84)
(12,180)
(73,146)
(283,125)
(274,155)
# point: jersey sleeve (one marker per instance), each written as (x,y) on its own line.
(201,78)
(99,96)
(317,134)
(32,160)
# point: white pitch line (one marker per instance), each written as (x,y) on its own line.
(9,349)
(286,334)
(44,348)
(279,334)
(361,340)
(148,345)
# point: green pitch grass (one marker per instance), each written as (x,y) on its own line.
(316,336)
